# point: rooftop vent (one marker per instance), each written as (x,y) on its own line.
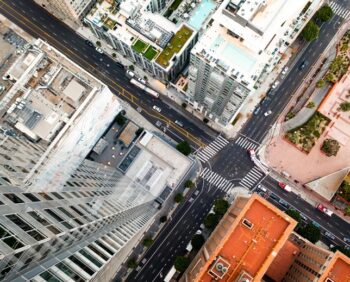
(247,223)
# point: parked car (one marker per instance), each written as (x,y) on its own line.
(285,187)
(346,240)
(262,188)
(324,209)
(265,100)
(303,217)
(98,49)
(256,111)
(329,235)
(275,84)
(284,71)
(157,109)
(198,232)
(284,203)
(273,196)
(89,43)
(303,65)
(179,123)
(141,80)
(269,112)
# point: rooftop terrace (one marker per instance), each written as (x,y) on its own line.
(174,46)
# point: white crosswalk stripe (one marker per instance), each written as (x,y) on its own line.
(216,180)
(212,149)
(251,178)
(340,10)
(245,143)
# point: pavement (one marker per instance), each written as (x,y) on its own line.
(229,167)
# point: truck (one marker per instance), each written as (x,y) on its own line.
(285,187)
(323,209)
(149,91)
(170,274)
(189,247)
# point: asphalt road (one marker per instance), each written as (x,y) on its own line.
(37,22)
(232,162)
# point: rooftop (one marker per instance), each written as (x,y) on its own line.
(176,43)
(338,269)
(250,244)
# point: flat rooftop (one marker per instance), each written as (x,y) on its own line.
(338,269)
(250,245)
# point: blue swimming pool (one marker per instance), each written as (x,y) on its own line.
(201,13)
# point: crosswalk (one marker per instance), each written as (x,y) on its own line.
(216,179)
(212,149)
(246,143)
(340,10)
(251,178)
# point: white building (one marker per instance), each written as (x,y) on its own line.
(241,47)
(138,32)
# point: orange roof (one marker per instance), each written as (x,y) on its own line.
(338,269)
(250,245)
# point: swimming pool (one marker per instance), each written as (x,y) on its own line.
(201,13)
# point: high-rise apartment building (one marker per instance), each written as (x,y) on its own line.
(242,44)
(69,11)
(255,242)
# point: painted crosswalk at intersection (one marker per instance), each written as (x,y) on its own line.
(252,178)
(212,149)
(246,143)
(216,179)
(339,10)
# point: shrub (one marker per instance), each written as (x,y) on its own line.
(344,107)
(205,120)
(310,31)
(211,220)
(330,147)
(189,183)
(184,105)
(139,131)
(147,241)
(184,148)
(181,263)
(163,219)
(220,207)
(310,105)
(324,14)
(310,232)
(120,119)
(294,214)
(132,263)
(98,43)
(321,83)
(131,67)
(114,55)
(197,241)
(178,197)
(347,210)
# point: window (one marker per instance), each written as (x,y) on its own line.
(45,196)
(31,197)
(9,238)
(76,210)
(97,252)
(57,195)
(38,217)
(14,198)
(59,219)
(90,258)
(49,276)
(30,230)
(64,267)
(104,247)
(82,265)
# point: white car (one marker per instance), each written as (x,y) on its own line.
(284,71)
(275,84)
(157,109)
(98,49)
(141,80)
(269,112)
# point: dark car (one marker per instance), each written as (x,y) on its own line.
(88,42)
(273,196)
(265,101)
(119,65)
(303,65)
(284,203)
(256,111)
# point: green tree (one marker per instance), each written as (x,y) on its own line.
(220,206)
(178,197)
(321,83)
(147,241)
(347,210)
(98,43)
(184,148)
(294,214)
(330,147)
(344,106)
(211,220)
(310,232)
(310,105)
(324,14)
(310,31)
(120,119)
(341,249)
(189,183)
(197,241)
(139,131)
(163,219)
(184,105)
(131,67)
(132,263)
(181,263)
(114,55)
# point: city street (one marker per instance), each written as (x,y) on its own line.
(222,170)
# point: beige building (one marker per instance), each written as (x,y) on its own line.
(69,11)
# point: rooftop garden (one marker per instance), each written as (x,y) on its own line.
(305,136)
(174,46)
(145,49)
(172,8)
(109,23)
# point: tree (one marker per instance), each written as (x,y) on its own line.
(178,197)
(184,105)
(120,119)
(132,263)
(347,210)
(181,263)
(310,232)
(189,184)
(163,219)
(220,207)
(310,105)
(294,214)
(211,220)
(197,241)
(324,14)
(330,147)
(145,78)
(131,67)
(310,31)
(321,83)
(147,241)
(344,106)
(139,131)
(114,55)
(184,148)
(98,43)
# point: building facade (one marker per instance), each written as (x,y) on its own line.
(242,45)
